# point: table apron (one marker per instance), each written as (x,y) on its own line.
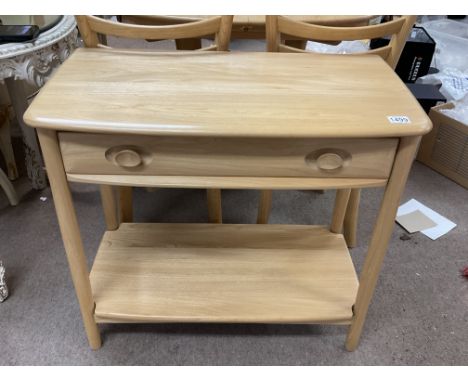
(135,156)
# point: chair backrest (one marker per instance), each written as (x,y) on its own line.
(219,26)
(158,19)
(279,27)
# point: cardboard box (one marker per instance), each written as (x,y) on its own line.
(445,147)
(416,57)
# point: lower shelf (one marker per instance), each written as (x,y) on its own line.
(223,273)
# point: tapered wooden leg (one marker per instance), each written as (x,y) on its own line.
(126,204)
(264,206)
(351,218)
(341,203)
(381,236)
(109,205)
(70,233)
(215,212)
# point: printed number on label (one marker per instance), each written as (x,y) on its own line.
(398,119)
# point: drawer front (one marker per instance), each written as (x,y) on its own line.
(150,155)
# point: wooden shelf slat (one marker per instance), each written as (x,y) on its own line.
(146,272)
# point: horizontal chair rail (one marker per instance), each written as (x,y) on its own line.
(163,32)
(318,32)
(383,51)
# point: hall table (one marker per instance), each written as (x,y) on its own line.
(225,120)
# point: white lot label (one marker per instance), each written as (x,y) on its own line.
(398,119)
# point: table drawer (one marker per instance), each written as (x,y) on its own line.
(197,156)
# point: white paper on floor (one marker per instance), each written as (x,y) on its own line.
(443,225)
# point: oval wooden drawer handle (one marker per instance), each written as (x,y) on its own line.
(127,158)
(330,161)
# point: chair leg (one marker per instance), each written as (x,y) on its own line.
(264,206)
(126,204)
(215,212)
(339,211)
(351,218)
(110,206)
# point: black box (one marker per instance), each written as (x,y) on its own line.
(416,56)
(427,95)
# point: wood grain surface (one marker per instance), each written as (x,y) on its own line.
(199,156)
(223,273)
(219,94)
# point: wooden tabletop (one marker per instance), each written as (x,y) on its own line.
(222,94)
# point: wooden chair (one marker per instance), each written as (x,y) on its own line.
(180,43)
(91,28)
(280,28)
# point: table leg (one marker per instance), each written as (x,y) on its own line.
(70,233)
(34,163)
(381,236)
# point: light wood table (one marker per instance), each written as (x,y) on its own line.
(225,120)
